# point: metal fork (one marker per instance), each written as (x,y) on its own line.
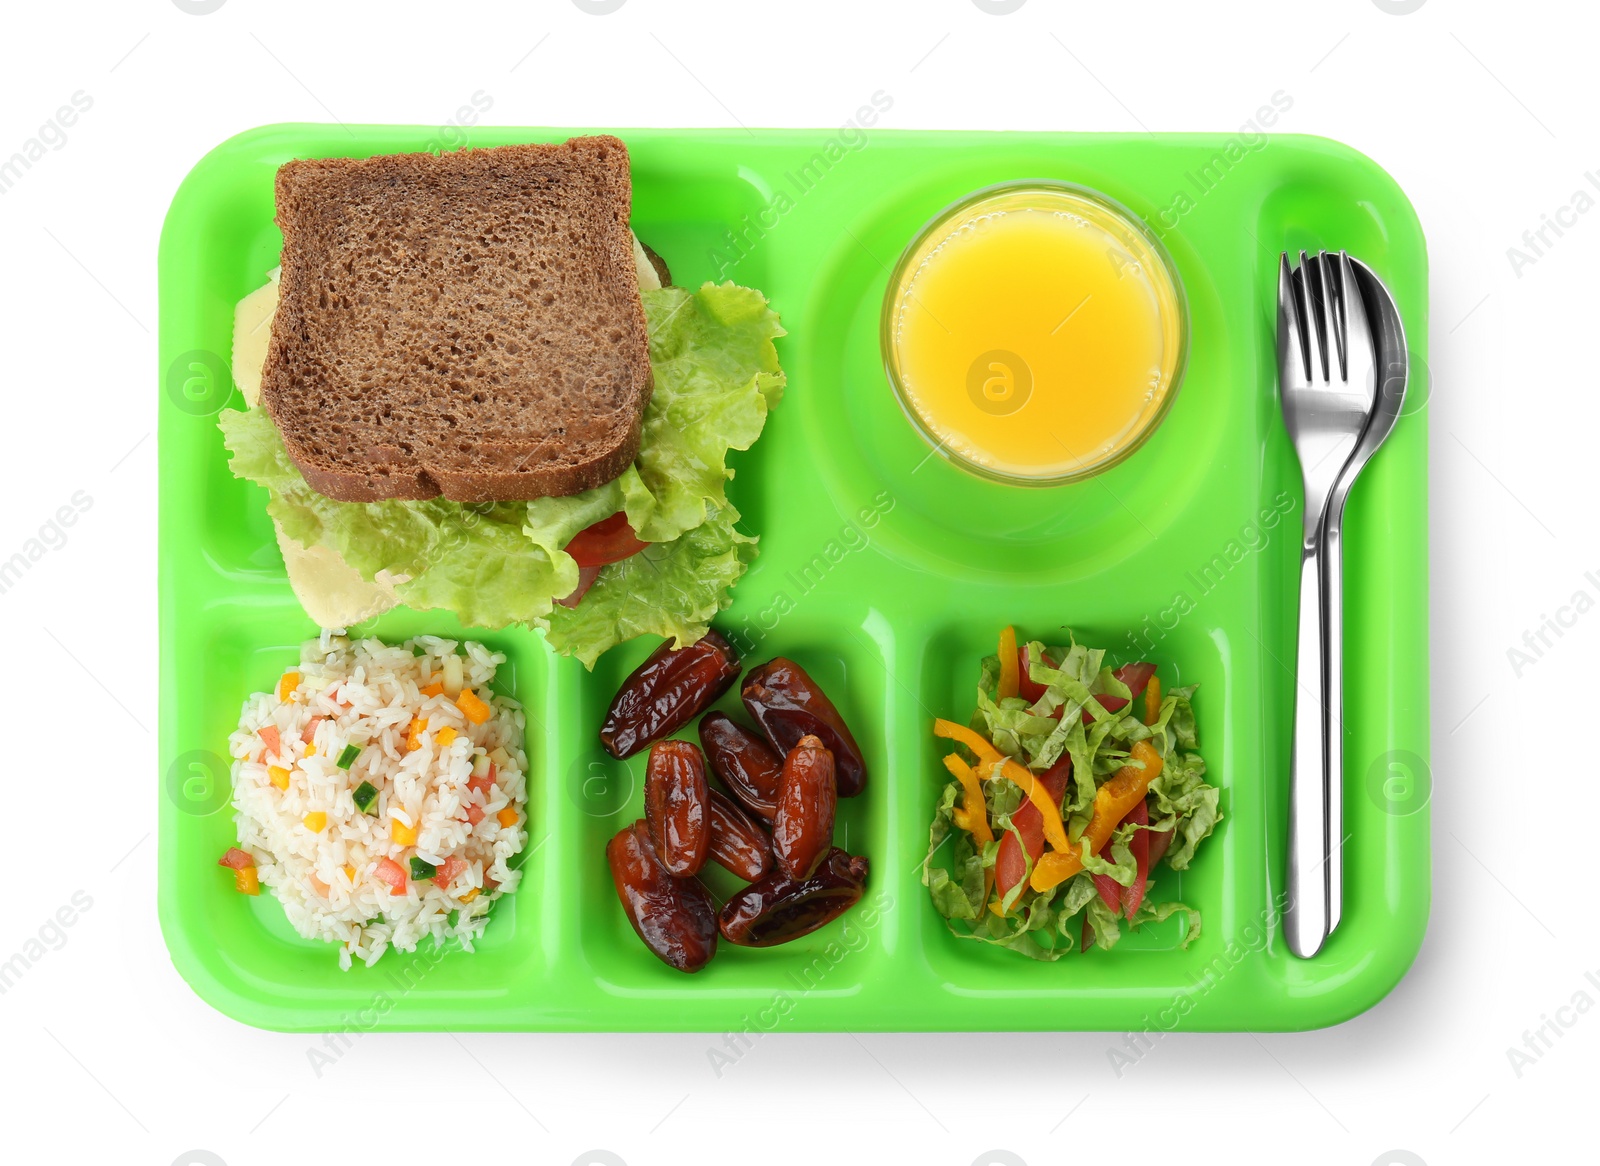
(1327,381)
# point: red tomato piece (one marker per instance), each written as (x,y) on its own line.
(608,541)
(1110,890)
(236,859)
(448,870)
(475,814)
(391,872)
(1133,895)
(1010,868)
(586,578)
(1026,688)
(1136,677)
(1159,841)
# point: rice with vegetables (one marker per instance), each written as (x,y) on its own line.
(379,792)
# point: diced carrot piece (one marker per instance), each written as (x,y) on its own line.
(279,776)
(445,737)
(269,738)
(414,734)
(507,817)
(246,882)
(401,834)
(433,690)
(471,707)
(286,686)
(350,872)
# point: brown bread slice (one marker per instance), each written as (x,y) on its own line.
(466,324)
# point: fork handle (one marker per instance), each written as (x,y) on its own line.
(1306,918)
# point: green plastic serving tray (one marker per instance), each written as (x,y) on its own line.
(888,574)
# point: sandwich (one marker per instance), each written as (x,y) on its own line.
(469,386)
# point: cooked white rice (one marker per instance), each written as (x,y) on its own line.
(367,694)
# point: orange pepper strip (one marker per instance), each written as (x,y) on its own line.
(1055,831)
(1008,664)
(976,813)
(1112,802)
(950,731)
(1152,701)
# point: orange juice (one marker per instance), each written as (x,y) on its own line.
(1035,332)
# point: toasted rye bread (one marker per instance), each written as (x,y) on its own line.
(466,324)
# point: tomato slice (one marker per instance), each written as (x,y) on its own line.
(586,578)
(1140,845)
(448,870)
(1125,900)
(1159,841)
(1110,890)
(1009,866)
(1136,677)
(1026,688)
(608,541)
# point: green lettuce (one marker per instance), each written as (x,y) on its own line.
(1047,925)
(716,377)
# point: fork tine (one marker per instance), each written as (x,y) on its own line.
(1315,334)
(1291,319)
(1358,335)
(1334,312)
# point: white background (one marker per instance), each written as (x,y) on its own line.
(1483,112)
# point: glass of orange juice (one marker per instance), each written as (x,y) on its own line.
(1035,332)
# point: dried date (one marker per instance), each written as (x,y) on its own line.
(666,692)
(779,909)
(675,917)
(737,843)
(677,806)
(745,763)
(802,829)
(788,705)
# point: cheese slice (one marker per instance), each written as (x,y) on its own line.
(332,592)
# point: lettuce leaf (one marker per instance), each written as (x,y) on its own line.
(716,377)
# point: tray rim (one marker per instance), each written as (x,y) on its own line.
(240,1007)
